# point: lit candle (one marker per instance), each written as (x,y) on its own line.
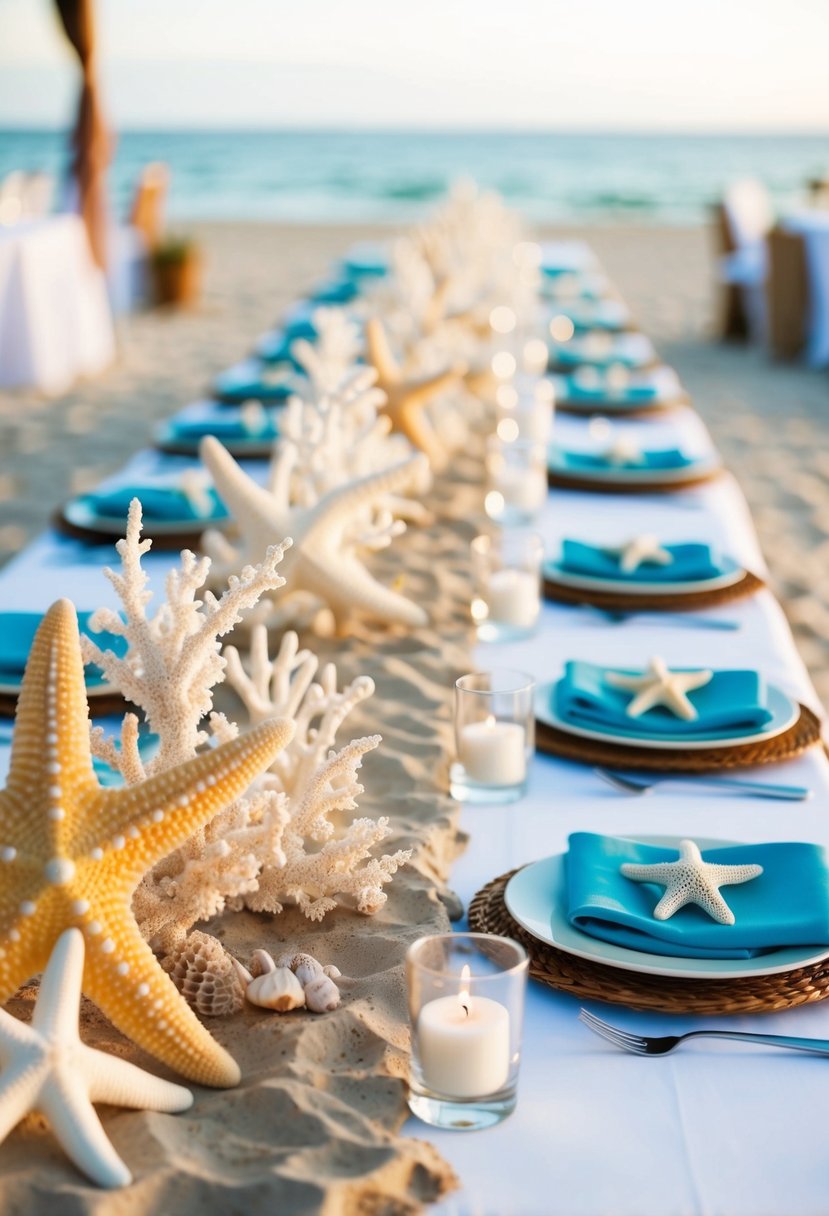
(464,1044)
(493,753)
(513,598)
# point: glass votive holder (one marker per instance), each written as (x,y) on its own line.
(466,1006)
(525,410)
(494,736)
(516,480)
(506,575)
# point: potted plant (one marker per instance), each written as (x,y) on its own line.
(177,266)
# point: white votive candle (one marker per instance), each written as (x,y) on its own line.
(522,489)
(464,1046)
(492,753)
(513,598)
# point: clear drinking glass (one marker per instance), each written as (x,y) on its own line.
(506,574)
(516,480)
(466,1006)
(494,736)
(525,410)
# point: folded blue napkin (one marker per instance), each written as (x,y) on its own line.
(587,315)
(274,348)
(17,632)
(787,905)
(571,388)
(224,423)
(337,291)
(731,703)
(298,322)
(365,261)
(690,562)
(235,386)
(665,458)
(161,503)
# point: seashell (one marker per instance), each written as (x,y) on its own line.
(304,966)
(333,972)
(261,963)
(322,994)
(278,989)
(206,977)
(242,971)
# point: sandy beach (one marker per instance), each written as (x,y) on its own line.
(769,420)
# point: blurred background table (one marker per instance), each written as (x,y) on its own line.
(55,320)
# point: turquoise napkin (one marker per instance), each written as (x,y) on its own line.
(691,562)
(17,632)
(337,291)
(787,905)
(275,348)
(162,503)
(732,703)
(667,458)
(234,387)
(365,261)
(572,389)
(224,423)
(298,322)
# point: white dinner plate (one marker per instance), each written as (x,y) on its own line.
(81,513)
(615,475)
(785,713)
(535,897)
(732,573)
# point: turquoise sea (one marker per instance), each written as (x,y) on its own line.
(320,177)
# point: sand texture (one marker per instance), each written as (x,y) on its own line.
(312,1127)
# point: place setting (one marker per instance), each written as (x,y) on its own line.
(617,462)
(248,432)
(599,350)
(609,385)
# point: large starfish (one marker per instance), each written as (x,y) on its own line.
(318,561)
(47,1068)
(406,397)
(72,853)
(660,686)
(690,880)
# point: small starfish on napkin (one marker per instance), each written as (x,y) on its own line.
(660,686)
(623,451)
(639,550)
(690,880)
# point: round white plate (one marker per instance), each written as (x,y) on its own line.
(535,898)
(785,713)
(92,690)
(733,572)
(79,511)
(635,476)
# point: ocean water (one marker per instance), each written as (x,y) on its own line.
(321,177)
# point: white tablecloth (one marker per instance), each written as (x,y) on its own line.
(713,1129)
(55,321)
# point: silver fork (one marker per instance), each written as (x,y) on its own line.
(618,616)
(645,1045)
(630,783)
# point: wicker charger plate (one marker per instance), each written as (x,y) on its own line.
(592,981)
(801,735)
(593,485)
(614,410)
(101,705)
(620,601)
(185,539)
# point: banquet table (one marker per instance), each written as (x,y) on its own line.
(55,320)
(715,1128)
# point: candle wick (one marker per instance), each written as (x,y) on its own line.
(465,1008)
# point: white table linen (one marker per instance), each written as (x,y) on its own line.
(55,321)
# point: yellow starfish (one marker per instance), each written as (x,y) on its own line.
(72,853)
(405,398)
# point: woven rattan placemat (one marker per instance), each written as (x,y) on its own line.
(616,410)
(590,981)
(565,481)
(100,705)
(803,734)
(620,601)
(184,539)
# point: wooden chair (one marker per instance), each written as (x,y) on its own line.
(787,293)
(742,222)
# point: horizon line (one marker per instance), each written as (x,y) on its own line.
(413,129)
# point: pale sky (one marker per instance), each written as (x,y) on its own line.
(702,65)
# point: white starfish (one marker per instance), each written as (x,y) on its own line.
(634,553)
(661,686)
(47,1068)
(623,451)
(690,880)
(319,560)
